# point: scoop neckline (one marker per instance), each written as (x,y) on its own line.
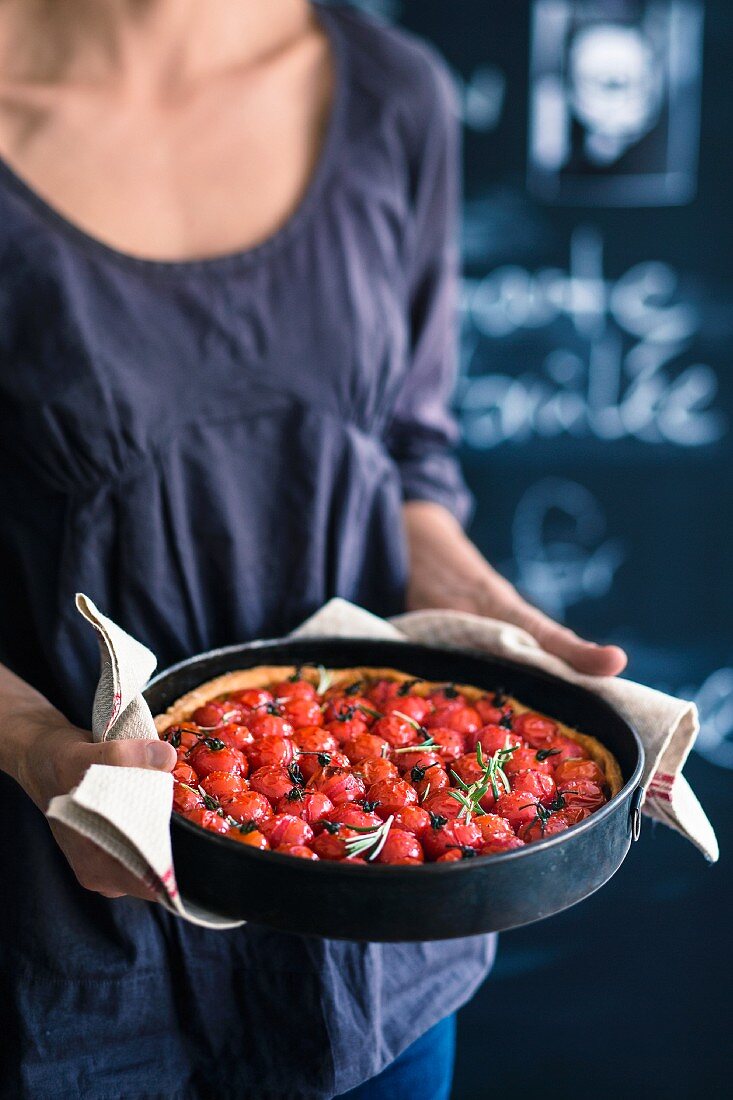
(241,256)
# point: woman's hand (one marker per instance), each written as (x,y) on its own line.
(48,756)
(446,570)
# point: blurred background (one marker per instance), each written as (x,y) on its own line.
(595,404)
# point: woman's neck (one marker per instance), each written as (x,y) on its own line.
(158,46)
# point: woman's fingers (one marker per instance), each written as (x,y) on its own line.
(587,657)
(96,870)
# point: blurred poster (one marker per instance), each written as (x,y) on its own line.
(614,101)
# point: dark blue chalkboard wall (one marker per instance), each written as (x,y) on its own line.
(595,404)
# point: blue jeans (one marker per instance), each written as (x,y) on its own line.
(424,1070)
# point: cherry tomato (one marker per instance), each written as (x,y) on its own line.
(561,749)
(391,795)
(412,819)
(448,743)
(573,814)
(527,759)
(339,784)
(182,737)
(538,829)
(410,705)
(249,806)
(269,751)
(447,696)
(518,808)
(572,770)
(492,738)
(453,834)
(301,712)
(453,855)
(262,724)
(235,736)
(315,739)
(492,827)
(213,755)
(286,829)
(209,715)
(467,768)
(273,782)
(443,804)
(400,846)
(310,762)
(381,692)
(582,793)
(536,729)
(208,819)
(373,770)
(299,850)
(253,838)
(184,773)
(353,815)
(346,706)
(397,731)
(185,798)
(365,746)
(463,720)
(310,806)
(489,713)
(332,846)
(406,761)
(223,786)
(295,689)
(537,783)
(501,844)
(251,698)
(428,780)
(344,729)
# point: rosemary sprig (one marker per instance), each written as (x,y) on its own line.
(325,679)
(428,743)
(370,841)
(492,774)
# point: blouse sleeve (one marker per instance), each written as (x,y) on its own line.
(422,432)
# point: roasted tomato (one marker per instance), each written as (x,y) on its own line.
(517,807)
(253,838)
(412,706)
(332,845)
(448,696)
(314,739)
(211,714)
(400,847)
(365,746)
(235,736)
(542,827)
(301,712)
(223,786)
(310,762)
(273,782)
(570,771)
(399,732)
(492,738)
(535,729)
(443,804)
(208,819)
(286,829)
(249,806)
(185,798)
(345,728)
(184,773)
(501,844)
(310,806)
(452,834)
(528,759)
(299,850)
(252,698)
(262,724)
(373,770)
(339,784)
(427,780)
(212,755)
(493,827)
(413,819)
(353,815)
(271,751)
(182,738)
(583,793)
(406,761)
(343,705)
(391,795)
(448,743)
(463,720)
(382,691)
(295,689)
(537,783)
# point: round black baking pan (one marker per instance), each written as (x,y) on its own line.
(393,903)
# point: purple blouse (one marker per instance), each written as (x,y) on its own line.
(211,450)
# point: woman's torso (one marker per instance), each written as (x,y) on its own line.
(200,448)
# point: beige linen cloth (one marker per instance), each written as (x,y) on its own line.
(126,811)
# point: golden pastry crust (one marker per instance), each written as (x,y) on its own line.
(264,675)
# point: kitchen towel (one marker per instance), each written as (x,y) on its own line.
(126,811)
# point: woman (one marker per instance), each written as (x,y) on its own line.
(227,234)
